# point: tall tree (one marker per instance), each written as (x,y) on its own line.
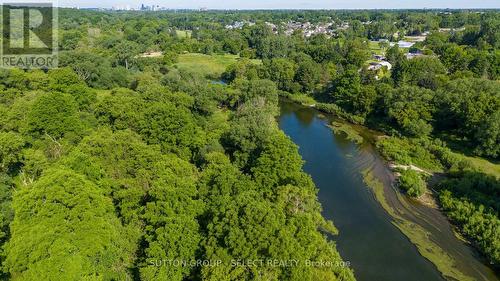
(65,229)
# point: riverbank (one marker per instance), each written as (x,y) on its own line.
(375,248)
(416,234)
(423,224)
(327,108)
(480,164)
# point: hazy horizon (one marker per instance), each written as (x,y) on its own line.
(288,4)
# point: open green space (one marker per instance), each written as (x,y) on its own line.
(484,165)
(183,33)
(375,48)
(207,65)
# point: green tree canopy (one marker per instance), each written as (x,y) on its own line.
(65,229)
(55,114)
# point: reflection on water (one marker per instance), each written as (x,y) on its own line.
(376,249)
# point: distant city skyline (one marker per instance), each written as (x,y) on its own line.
(286,4)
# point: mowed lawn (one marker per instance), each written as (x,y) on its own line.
(375,48)
(183,33)
(207,65)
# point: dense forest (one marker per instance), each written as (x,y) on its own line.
(120,163)
(110,185)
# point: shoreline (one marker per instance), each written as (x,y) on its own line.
(415,233)
(404,211)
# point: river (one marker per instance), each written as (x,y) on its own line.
(368,238)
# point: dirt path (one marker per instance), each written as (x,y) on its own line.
(394,166)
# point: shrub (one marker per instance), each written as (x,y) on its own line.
(412,183)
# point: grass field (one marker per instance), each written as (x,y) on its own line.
(461,148)
(207,65)
(375,48)
(183,33)
(485,166)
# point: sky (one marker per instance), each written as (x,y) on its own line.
(286,4)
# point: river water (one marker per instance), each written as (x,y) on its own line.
(376,249)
